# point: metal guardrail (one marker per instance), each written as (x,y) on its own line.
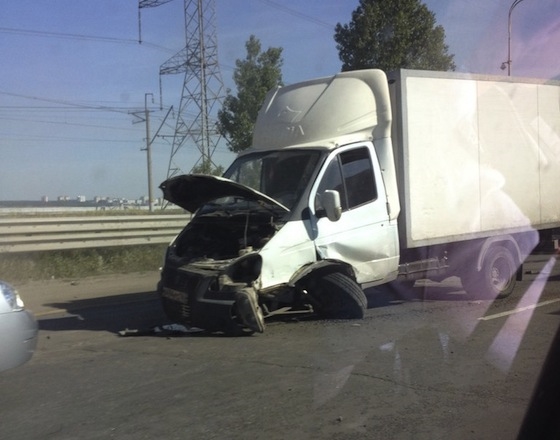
(56,233)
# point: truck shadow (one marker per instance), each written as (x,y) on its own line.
(423,290)
(141,312)
(109,313)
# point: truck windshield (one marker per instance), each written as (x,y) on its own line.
(282,175)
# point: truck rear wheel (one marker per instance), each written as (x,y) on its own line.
(496,279)
(336,296)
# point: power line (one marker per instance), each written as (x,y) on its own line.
(46,138)
(83,37)
(76,124)
(151,3)
(298,14)
(69,103)
(11,109)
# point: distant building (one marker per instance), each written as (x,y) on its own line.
(63,198)
(81,199)
(45,199)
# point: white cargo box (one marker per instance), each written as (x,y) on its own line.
(476,156)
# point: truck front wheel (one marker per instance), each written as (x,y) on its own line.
(496,278)
(336,296)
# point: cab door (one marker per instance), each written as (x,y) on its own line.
(363,236)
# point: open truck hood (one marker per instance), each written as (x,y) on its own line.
(191,191)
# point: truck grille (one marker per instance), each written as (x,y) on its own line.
(178,293)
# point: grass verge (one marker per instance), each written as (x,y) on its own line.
(78,263)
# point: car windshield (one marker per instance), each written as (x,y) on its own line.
(281,175)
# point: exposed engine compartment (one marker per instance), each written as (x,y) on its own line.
(220,236)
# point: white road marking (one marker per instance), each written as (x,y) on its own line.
(518,310)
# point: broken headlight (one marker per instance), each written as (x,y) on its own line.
(246,269)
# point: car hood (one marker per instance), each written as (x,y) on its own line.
(191,191)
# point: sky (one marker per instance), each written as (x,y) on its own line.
(74,76)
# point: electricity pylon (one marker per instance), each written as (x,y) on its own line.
(202,92)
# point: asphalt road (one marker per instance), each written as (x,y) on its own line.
(427,363)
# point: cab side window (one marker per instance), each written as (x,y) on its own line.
(358,177)
(351,174)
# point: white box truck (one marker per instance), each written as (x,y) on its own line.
(364,179)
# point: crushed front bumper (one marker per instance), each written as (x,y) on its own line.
(194,297)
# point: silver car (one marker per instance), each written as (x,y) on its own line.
(18,329)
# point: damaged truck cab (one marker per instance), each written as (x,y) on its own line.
(363,179)
(296,223)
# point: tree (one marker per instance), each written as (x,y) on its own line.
(207,167)
(394,34)
(254,77)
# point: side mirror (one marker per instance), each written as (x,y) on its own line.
(330,200)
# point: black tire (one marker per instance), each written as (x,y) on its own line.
(496,278)
(337,296)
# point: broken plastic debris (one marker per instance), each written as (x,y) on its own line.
(161,330)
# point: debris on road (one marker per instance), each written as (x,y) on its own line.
(161,330)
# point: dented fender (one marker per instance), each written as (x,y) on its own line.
(322,266)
